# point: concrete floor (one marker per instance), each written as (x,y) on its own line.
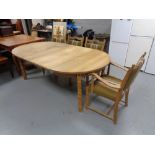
(39,105)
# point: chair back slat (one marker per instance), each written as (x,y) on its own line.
(59,32)
(77,41)
(95,44)
(58,39)
(132,73)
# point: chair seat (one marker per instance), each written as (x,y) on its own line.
(102,89)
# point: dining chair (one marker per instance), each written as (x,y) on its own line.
(59,32)
(27,65)
(95,44)
(5,61)
(59,35)
(75,40)
(113,88)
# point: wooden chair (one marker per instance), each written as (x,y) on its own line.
(95,44)
(59,32)
(77,41)
(59,35)
(28,65)
(6,62)
(113,88)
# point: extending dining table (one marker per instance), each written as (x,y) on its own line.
(62,59)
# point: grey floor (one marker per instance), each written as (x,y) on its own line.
(40,105)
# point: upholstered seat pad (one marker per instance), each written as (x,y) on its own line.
(102,89)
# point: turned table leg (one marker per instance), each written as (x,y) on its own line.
(79,92)
(22,68)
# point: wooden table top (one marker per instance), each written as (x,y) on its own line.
(16,40)
(63,58)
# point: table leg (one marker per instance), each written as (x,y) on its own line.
(22,68)
(79,92)
(16,64)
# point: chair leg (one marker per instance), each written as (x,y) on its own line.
(87,98)
(116,109)
(115,113)
(108,70)
(10,68)
(70,83)
(102,71)
(22,68)
(43,70)
(87,102)
(126,97)
(15,61)
(55,78)
(11,72)
(79,92)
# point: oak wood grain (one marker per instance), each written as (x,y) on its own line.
(63,58)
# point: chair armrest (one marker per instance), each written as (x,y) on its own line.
(119,66)
(108,83)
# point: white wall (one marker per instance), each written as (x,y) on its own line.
(98,25)
(13,21)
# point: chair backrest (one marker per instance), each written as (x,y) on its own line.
(59,31)
(132,73)
(77,41)
(59,39)
(95,44)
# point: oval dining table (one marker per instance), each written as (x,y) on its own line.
(63,59)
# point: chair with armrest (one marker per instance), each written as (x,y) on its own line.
(117,65)
(113,88)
